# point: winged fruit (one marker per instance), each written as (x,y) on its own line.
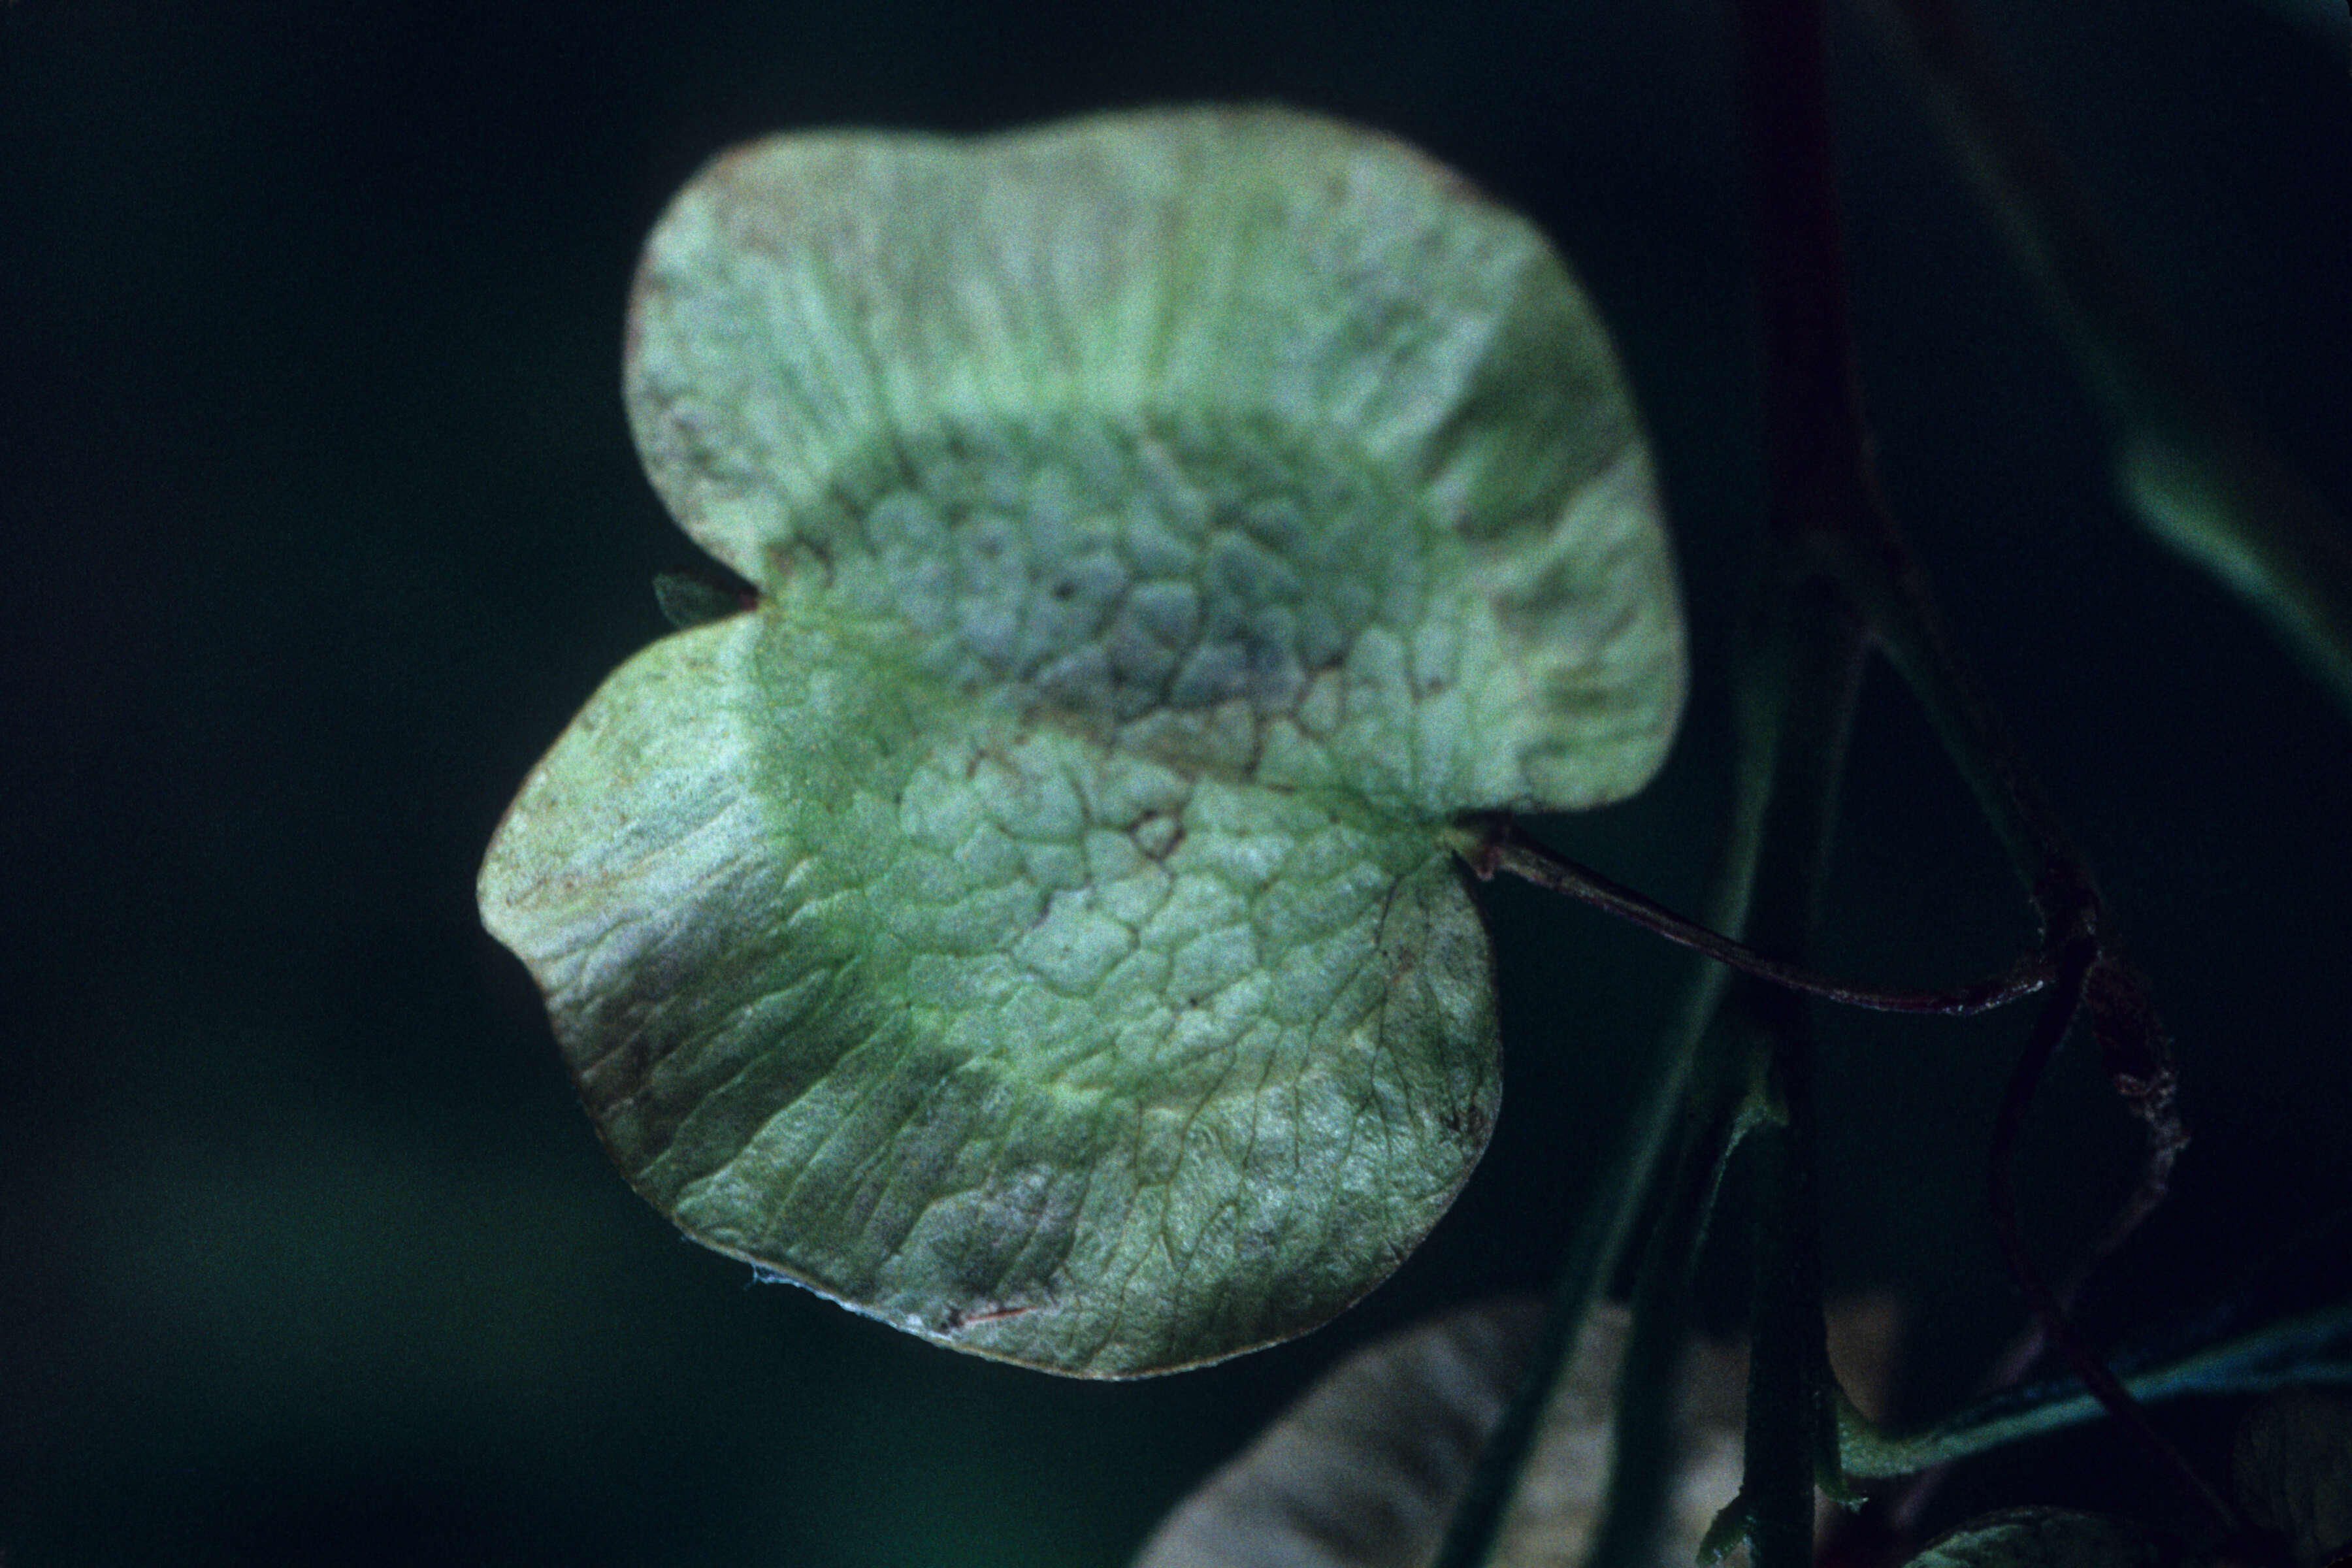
(1029,923)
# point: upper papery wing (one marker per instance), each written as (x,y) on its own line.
(1025,1044)
(1335,438)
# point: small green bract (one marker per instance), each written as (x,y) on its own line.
(1030,924)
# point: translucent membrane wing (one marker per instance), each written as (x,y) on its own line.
(1023,1045)
(1180,412)
(1030,924)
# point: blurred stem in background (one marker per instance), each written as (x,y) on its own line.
(2187,462)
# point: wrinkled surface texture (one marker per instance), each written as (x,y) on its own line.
(1029,924)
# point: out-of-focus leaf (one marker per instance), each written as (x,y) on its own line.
(2041,1538)
(1865,1346)
(2294,1466)
(1032,925)
(1363,1471)
(689,599)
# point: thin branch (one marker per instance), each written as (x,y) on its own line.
(1494,844)
(2137,1059)
(1644,1445)
(1790,1443)
(2134,1055)
(2138,1062)
(1475,1525)
(1601,1236)
(1827,508)
(2066,998)
(1817,452)
(1878,570)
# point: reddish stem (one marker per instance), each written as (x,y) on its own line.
(1502,848)
(2079,961)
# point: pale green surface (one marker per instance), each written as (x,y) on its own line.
(1292,371)
(1031,926)
(996,1020)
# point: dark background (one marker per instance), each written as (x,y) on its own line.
(322,521)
